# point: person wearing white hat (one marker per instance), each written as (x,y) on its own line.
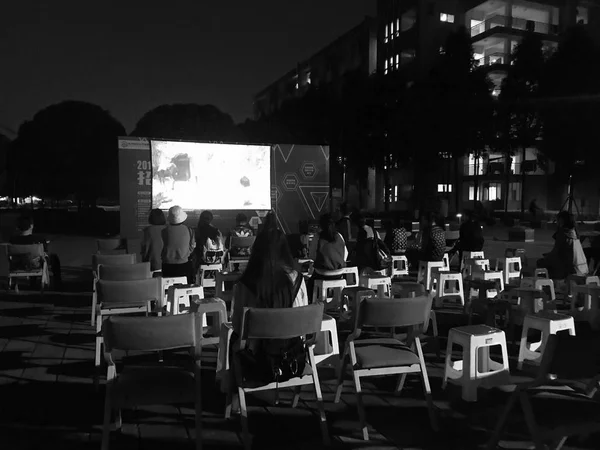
(179,244)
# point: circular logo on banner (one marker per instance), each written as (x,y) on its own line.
(309,170)
(290,181)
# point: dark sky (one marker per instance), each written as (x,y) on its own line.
(129,56)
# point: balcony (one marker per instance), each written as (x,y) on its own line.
(497,58)
(497,169)
(514,23)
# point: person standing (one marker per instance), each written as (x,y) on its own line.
(152,243)
(178,246)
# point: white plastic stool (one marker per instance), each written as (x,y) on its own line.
(471,264)
(456,292)
(165,283)
(321,288)
(511,267)
(180,295)
(548,323)
(446,261)
(351,276)
(383,284)
(576,280)
(471,255)
(328,326)
(591,293)
(399,266)
(204,269)
(476,369)
(489,275)
(425,276)
(542,284)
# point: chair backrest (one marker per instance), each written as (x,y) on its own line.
(112,260)
(136,291)
(562,356)
(408,289)
(151,333)
(109,244)
(388,312)
(4,261)
(129,272)
(33,250)
(281,323)
(242,242)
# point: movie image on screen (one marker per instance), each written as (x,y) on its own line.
(210,176)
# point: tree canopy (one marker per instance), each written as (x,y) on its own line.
(67,149)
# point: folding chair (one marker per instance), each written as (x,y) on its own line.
(387,356)
(10,253)
(280,323)
(107,260)
(140,386)
(561,369)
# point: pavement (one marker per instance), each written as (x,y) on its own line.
(47,398)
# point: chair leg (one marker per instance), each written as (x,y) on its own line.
(97,358)
(493,442)
(320,405)
(400,385)
(118,420)
(198,418)
(94,305)
(296,396)
(360,406)
(244,412)
(426,387)
(228,404)
(340,381)
(106,423)
(530,420)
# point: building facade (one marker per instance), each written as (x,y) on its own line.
(354,51)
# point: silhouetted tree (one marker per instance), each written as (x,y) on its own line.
(571,108)
(69,148)
(519,119)
(4,150)
(188,122)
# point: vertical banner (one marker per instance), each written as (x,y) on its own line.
(301,183)
(135,185)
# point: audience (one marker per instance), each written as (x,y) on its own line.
(24,236)
(431,243)
(396,238)
(470,236)
(344,225)
(178,246)
(269,280)
(368,244)
(242,228)
(152,243)
(567,256)
(209,241)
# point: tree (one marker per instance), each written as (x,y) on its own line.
(570,89)
(188,122)
(69,148)
(519,118)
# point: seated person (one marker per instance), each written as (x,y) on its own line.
(368,244)
(24,236)
(470,236)
(432,244)
(396,238)
(209,241)
(241,230)
(327,250)
(178,246)
(567,256)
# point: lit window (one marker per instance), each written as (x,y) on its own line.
(446,17)
(385,67)
(391,63)
(397,26)
(472,193)
(392,26)
(387,33)
(442,51)
(444,188)
(397,60)
(493,192)
(297,85)
(396,193)
(308,80)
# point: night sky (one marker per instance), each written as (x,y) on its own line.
(129,56)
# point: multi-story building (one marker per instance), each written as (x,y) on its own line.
(354,51)
(411,34)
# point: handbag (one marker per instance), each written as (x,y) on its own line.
(276,360)
(382,259)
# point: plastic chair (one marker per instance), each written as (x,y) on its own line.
(329,332)
(225,282)
(134,387)
(112,244)
(106,260)
(282,323)
(124,297)
(389,356)
(8,252)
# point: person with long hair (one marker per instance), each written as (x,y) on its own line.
(152,243)
(567,256)
(204,231)
(178,246)
(270,280)
(367,243)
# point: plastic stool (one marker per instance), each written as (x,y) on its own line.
(331,348)
(511,267)
(548,323)
(535,273)
(180,295)
(383,284)
(471,255)
(165,283)
(591,300)
(479,299)
(578,280)
(543,284)
(441,294)
(204,270)
(403,289)
(476,369)
(399,266)
(425,276)
(489,275)
(470,265)
(351,276)
(320,292)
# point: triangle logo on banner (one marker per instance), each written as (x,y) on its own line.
(325,151)
(285,150)
(319,198)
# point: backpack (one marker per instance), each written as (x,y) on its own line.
(242,231)
(213,250)
(275,360)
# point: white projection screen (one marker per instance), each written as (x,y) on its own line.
(198,176)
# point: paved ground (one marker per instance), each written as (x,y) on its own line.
(47,399)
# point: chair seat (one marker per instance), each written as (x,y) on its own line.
(251,384)
(153,386)
(379,356)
